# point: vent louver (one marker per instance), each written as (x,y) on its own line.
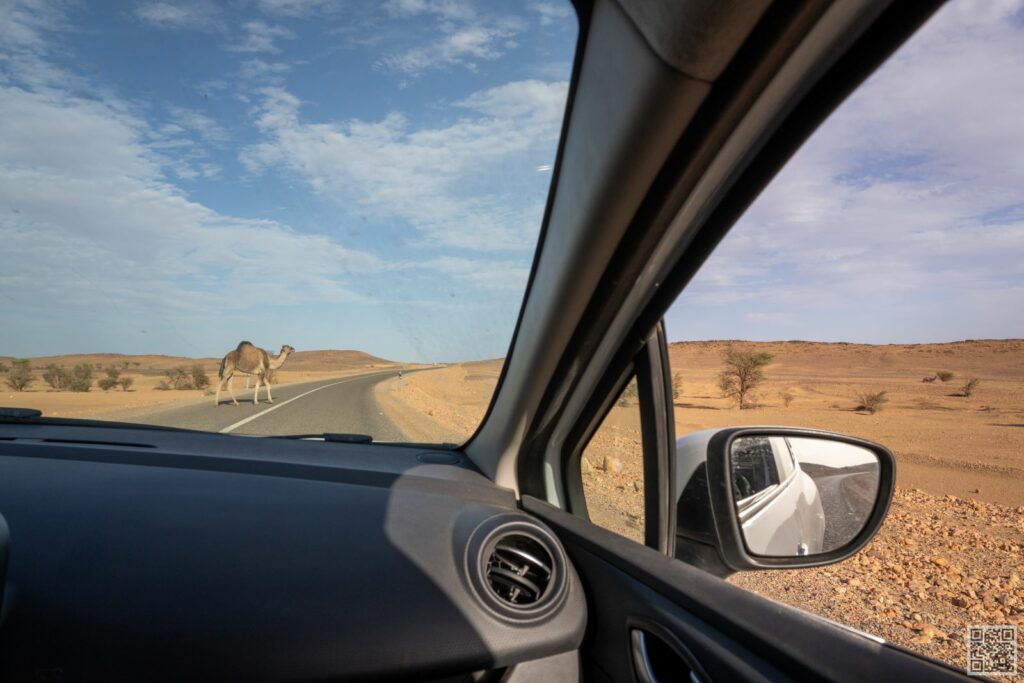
(519,570)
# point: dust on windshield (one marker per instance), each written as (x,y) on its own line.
(273,218)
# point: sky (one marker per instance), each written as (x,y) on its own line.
(176,177)
(901,220)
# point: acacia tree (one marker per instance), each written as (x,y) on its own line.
(743,372)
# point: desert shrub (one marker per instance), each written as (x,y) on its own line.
(162,385)
(787,397)
(969,388)
(199,378)
(19,377)
(3,368)
(677,386)
(81,377)
(112,379)
(743,372)
(929,379)
(871,402)
(57,376)
(179,378)
(945,375)
(126,383)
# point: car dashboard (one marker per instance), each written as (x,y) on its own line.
(148,554)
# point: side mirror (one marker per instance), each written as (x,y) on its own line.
(777,497)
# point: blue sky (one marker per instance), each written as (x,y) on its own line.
(175,177)
(902,218)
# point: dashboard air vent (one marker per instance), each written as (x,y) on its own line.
(519,570)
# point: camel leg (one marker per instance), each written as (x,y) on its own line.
(256,394)
(220,383)
(270,399)
(231,391)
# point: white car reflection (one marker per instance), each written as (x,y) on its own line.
(778,504)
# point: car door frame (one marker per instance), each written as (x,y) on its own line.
(733,634)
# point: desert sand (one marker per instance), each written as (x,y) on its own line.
(148,371)
(950,552)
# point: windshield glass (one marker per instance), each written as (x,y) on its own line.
(334,204)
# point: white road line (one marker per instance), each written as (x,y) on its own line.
(231,428)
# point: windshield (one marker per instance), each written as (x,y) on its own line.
(325,210)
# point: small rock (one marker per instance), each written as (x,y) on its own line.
(638,486)
(613,465)
(585,466)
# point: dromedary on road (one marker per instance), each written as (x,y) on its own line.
(250,360)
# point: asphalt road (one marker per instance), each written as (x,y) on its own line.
(846,505)
(344,405)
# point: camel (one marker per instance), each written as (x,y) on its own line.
(248,360)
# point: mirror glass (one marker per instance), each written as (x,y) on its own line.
(801,495)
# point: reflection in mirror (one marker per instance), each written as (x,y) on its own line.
(801,495)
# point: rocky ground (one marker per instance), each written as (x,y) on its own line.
(938,565)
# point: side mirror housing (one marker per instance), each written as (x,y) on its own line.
(777,497)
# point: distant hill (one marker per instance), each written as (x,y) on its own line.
(333,360)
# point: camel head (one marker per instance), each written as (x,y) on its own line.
(286,349)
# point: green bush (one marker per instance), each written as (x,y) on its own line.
(81,377)
(57,376)
(112,379)
(19,377)
(126,383)
(199,378)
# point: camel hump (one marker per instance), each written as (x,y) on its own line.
(242,344)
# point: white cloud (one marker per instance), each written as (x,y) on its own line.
(551,12)
(460,47)
(446,9)
(176,15)
(260,37)
(95,189)
(908,199)
(298,8)
(447,182)
(199,123)
(259,71)
(507,275)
